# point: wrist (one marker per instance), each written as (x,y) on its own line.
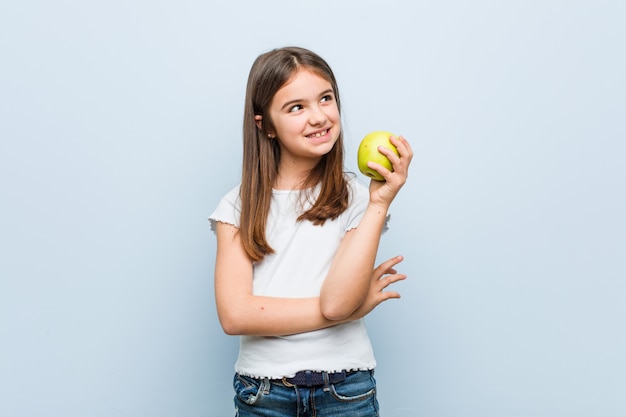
(379,208)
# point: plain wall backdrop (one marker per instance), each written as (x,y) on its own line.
(120,128)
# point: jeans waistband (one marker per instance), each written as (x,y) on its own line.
(313,378)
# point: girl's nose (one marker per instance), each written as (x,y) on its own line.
(317,116)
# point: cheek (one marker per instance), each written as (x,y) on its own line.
(331,114)
(285,125)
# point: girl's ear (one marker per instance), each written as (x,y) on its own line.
(258,120)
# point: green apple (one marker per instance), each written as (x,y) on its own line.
(368,151)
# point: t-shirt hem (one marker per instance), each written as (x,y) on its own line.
(273,376)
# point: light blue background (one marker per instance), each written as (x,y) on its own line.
(120,131)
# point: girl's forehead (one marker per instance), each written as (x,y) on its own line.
(305,79)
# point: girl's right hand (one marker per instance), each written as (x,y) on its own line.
(382,193)
(382,276)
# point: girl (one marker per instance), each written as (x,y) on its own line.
(296,246)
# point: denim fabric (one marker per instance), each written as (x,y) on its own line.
(353,397)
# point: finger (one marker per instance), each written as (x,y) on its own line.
(391,294)
(389,153)
(406,156)
(388,295)
(390,279)
(387,266)
(402,145)
(390,263)
(380,285)
(392,156)
(379,168)
(388,272)
(401,164)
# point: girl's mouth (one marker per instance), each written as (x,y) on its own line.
(318,134)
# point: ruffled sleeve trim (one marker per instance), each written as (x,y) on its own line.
(228,210)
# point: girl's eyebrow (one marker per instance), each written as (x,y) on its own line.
(292,102)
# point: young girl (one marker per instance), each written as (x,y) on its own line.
(296,247)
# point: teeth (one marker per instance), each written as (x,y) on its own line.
(319,135)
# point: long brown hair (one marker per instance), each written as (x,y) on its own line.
(261,155)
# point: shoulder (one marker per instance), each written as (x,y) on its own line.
(228,210)
(232,198)
(233,194)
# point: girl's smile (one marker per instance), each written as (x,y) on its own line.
(320,136)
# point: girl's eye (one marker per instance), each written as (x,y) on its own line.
(295,108)
(327,97)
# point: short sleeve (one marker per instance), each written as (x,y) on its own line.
(228,209)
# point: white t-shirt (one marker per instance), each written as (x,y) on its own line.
(303,256)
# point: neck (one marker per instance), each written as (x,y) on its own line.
(288,183)
(292,174)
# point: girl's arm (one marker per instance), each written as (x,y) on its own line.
(242,313)
(348,282)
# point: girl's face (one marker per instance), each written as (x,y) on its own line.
(306,118)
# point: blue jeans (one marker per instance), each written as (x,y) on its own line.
(353,397)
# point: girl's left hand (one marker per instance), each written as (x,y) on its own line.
(382,276)
(383,192)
